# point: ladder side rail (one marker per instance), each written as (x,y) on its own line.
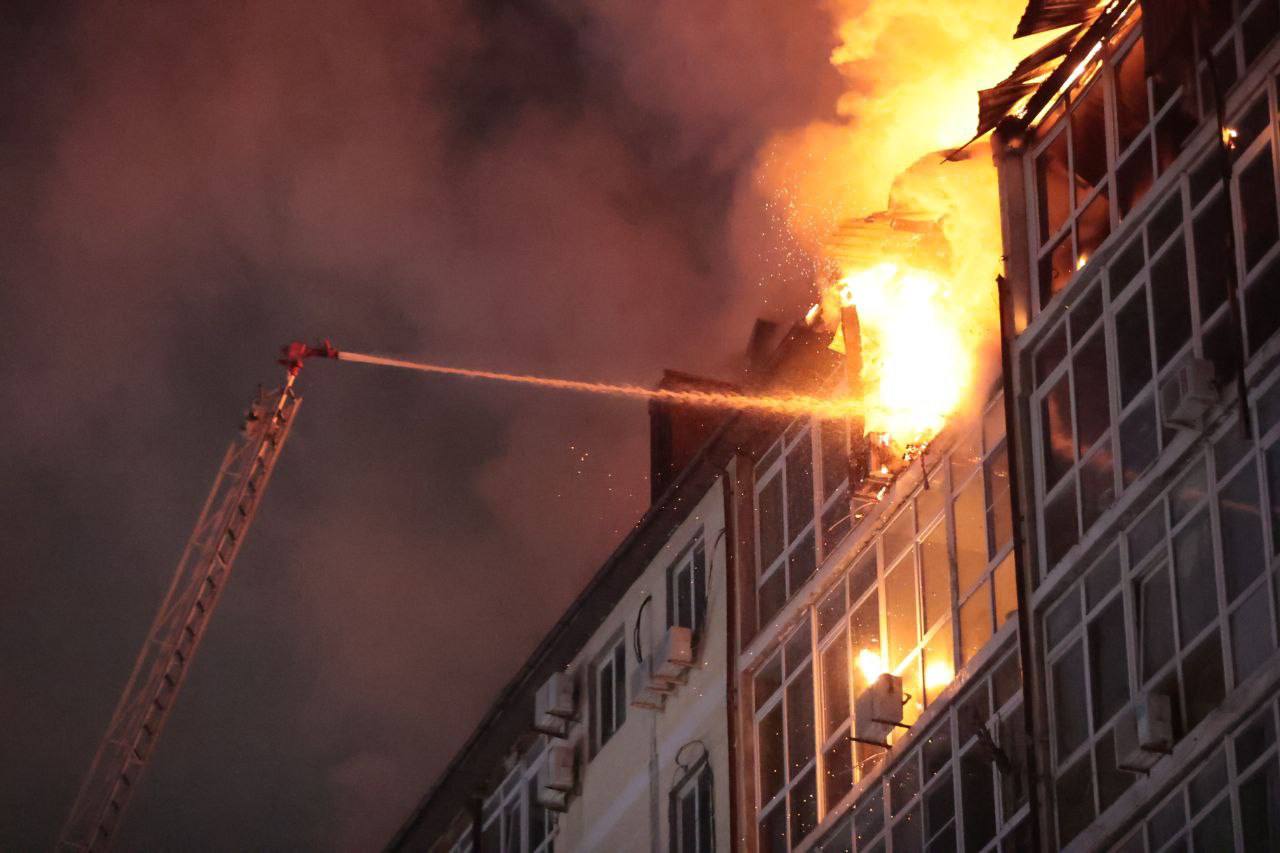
(145,659)
(148,731)
(241,480)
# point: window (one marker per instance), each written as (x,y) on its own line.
(609,692)
(1195,572)
(512,819)
(692,811)
(687,589)
(1091,169)
(802,508)
(947,786)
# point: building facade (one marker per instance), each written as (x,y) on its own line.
(1144,294)
(1072,598)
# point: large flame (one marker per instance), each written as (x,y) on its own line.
(917,366)
(913,69)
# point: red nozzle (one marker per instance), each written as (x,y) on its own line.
(295,351)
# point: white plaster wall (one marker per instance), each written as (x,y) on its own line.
(612,811)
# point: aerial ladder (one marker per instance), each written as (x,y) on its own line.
(183,618)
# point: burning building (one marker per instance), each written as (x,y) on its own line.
(1136,155)
(930,620)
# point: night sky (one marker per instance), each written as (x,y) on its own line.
(561,186)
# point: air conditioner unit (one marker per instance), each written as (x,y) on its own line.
(559,771)
(646,691)
(555,705)
(1188,395)
(878,710)
(1144,732)
(673,657)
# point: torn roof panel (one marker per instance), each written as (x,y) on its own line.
(1041,16)
(1038,78)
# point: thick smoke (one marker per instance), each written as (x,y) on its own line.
(552,186)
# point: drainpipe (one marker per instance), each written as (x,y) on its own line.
(1032,685)
(730,646)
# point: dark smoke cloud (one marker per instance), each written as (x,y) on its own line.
(555,186)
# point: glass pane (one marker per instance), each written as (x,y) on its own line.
(900,604)
(773,829)
(1260,809)
(1093,227)
(1188,493)
(1166,222)
(1131,95)
(1212,232)
(900,533)
(767,680)
(906,834)
(1262,307)
(939,807)
(1075,800)
(804,806)
(1133,179)
(1169,290)
(1089,139)
(868,820)
(1193,568)
(1093,408)
(1097,485)
(1050,354)
(1102,578)
(935,573)
(1240,518)
(1138,446)
(1060,621)
(1251,640)
(939,662)
(835,457)
(1273,491)
(835,686)
(977,799)
(837,771)
(801,563)
(975,623)
(1071,724)
(1111,782)
(769,738)
(868,658)
(1006,590)
(799,488)
(1056,268)
(800,721)
(862,575)
(1202,671)
(1133,344)
(1061,530)
(1167,822)
(773,594)
(1213,828)
(999,508)
(971,534)
(904,783)
(1254,739)
(1056,432)
(1258,208)
(1156,620)
(1147,535)
(1052,186)
(831,611)
(1108,662)
(769,514)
